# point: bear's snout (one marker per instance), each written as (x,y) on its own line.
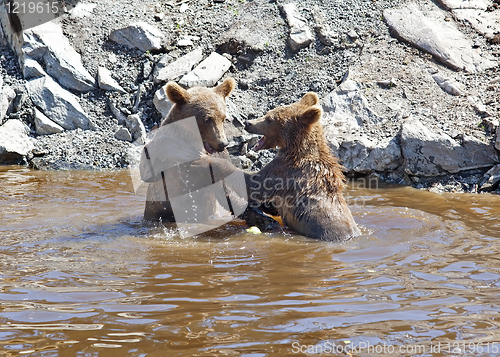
(223,145)
(248,125)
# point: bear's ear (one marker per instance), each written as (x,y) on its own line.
(311,115)
(176,93)
(225,88)
(309,99)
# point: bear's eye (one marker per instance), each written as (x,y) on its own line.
(209,119)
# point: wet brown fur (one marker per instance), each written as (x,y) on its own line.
(208,106)
(304,181)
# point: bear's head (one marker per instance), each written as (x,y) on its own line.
(207,105)
(286,125)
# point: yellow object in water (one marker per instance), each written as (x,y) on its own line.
(254,230)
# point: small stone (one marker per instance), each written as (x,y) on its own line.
(136,128)
(185,42)
(325,34)
(490,180)
(146,69)
(490,124)
(123,134)
(208,72)
(82,10)
(112,58)
(159,16)
(178,68)
(387,83)
(353,35)
(183,8)
(107,82)
(45,126)
(32,69)
(161,101)
(450,86)
(139,35)
(479,106)
(300,34)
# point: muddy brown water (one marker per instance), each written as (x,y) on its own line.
(81,275)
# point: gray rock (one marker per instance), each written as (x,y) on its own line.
(465,4)
(300,34)
(450,86)
(107,82)
(325,34)
(123,134)
(82,10)
(15,143)
(360,155)
(486,23)
(178,68)
(482,110)
(248,34)
(32,69)
(184,42)
(162,63)
(7,96)
(45,126)
(57,103)
(497,140)
(353,35)
(139,35)
(346,109)
(208,72)
(136,128)
(48,43)
(490,180)
(161,101)
(434,35)
(120,117)
(430,154)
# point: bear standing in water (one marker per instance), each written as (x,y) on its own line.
(304,182)
(207,106)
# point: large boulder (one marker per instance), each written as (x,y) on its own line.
(15,143)
(430,154)
(48,43)
(45,126)
(360,155)
(57,104)
(346,111)
(432,34)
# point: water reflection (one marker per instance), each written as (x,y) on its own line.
(81,274)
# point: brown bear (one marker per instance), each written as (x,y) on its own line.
(304,182)
(207,106)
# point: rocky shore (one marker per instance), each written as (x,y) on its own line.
(410,90)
